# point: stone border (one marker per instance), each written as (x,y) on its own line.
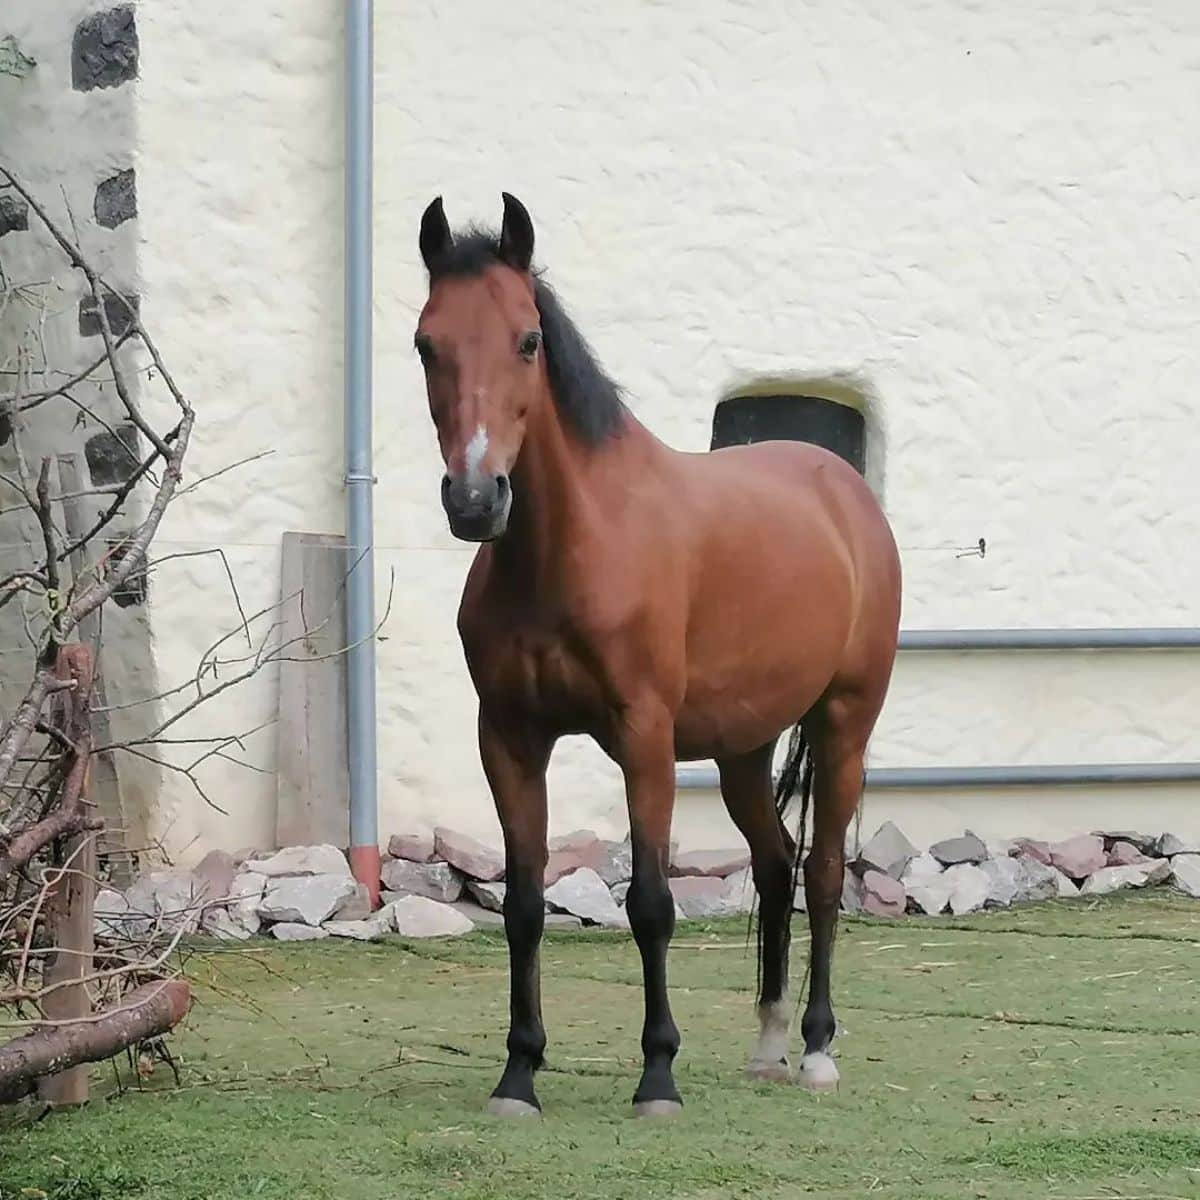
(447,883)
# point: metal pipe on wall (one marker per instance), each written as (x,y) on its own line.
(1066,774)
(360,476)
(1050,639)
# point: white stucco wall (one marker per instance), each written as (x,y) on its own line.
(986,216)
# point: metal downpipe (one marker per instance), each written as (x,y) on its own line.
(360,478)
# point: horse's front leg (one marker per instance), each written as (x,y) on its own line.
(648,760)
(515,766)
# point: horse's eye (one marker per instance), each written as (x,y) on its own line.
(529,344)
(425,350)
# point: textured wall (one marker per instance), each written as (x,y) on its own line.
(68,129)
(983,216)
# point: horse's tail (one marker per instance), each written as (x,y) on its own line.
(796,775)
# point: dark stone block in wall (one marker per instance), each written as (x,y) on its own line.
(116,199)
(136,587)
(119,320)
(112,456)
(14,214)
(104,53)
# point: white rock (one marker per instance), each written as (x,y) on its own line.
(166,900)
(888,852)
(1037,881)
(213,876)
(1170,844)
(487,895)
(930,893)
(1185,873)
(218,923)
(1133,875)
(438,881)
(304,860)
(620,892)
(109,913)
(584,894)
(1004,880)
(368,930)
(245,895)
(309,899)
(420,917)
(356,906)
(924,866)
(290,931)
(1158,870)
(852,893)
(969,888)
(1112,879)
(484,918)
(616,864)
(740,893)
(1067,889)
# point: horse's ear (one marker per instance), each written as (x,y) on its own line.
(436,237)
(516,234)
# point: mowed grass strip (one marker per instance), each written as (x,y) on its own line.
(1049,1052)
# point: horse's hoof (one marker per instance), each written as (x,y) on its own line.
(818,1073)
(657,1108)
(506,1106)
(779,1071)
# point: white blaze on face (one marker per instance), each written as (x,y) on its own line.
(474,454)
(476,449)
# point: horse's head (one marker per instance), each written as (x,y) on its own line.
(480,341)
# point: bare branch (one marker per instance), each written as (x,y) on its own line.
(46,521)
(115,507)
(147,1012)
(33,399)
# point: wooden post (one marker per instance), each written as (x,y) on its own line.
(312,777)
(105,782)
(71,903)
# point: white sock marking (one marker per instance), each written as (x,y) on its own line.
(818,1072)
(774,1021)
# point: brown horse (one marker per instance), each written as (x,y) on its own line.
(672,606)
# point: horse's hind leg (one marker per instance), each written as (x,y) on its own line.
(746,790)
(837,731)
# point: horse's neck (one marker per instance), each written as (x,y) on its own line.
(559,494)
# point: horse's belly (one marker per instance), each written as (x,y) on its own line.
(720,719)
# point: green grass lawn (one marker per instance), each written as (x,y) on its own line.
(1051,1052)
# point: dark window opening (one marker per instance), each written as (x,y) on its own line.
(838,427)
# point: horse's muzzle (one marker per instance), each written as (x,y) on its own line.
(477,505)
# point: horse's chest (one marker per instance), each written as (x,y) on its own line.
(544,677)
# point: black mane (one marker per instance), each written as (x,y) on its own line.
(589,400)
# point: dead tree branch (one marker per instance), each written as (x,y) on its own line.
(146,1012)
